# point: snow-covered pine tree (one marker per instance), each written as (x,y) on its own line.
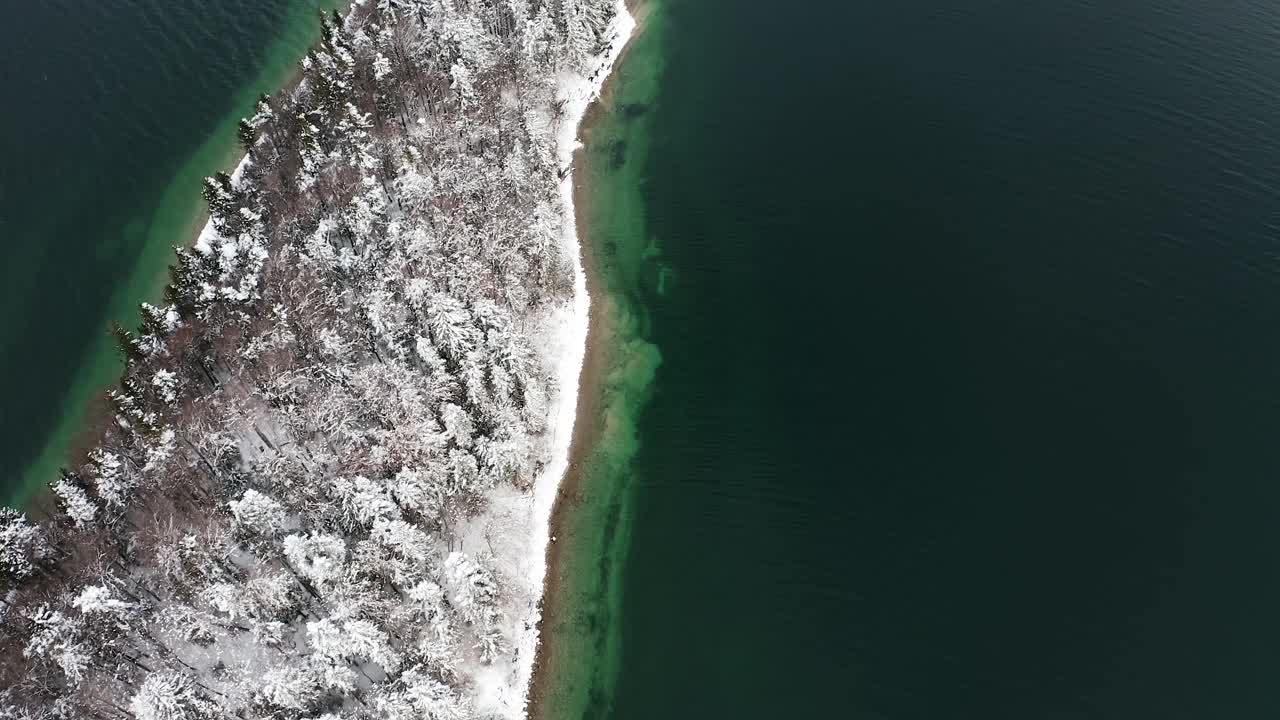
(343,388)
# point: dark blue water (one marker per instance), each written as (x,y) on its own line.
(971,364)
(112,113)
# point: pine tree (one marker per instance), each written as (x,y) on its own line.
(326,30)
(23,546)
(187,275)
(248,135)
(313,422)
(126,344)
(258,513)
(169,695)
(75,502)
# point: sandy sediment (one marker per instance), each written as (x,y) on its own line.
(586,427)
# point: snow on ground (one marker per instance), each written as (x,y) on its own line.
(515,529)
(208,234)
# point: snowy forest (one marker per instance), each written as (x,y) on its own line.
(297,510)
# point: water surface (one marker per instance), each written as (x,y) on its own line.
(114,112)
(970,371)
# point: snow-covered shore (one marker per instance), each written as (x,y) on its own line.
(503,688)
(517,525)
(338,446)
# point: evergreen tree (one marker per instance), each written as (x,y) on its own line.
(248,135)
(126,343)
(347,383)
(23,546)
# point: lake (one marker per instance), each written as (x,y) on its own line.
(969,375)
(115,113)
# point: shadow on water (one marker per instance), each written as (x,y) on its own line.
(617,154)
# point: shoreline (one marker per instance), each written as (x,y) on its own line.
(511,537)
(588,395)
(96,413)
(576,354)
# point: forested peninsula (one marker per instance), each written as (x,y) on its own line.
(325,489)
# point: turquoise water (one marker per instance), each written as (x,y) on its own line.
(940,356)
(582,637)
(115,111)
(966,406)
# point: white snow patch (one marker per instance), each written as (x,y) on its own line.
(512,535)
(514,532)
(204,241)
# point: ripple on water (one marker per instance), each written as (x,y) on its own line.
(125,106)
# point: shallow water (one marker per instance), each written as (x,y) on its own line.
(966,407)
(585,631)
(114,113)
